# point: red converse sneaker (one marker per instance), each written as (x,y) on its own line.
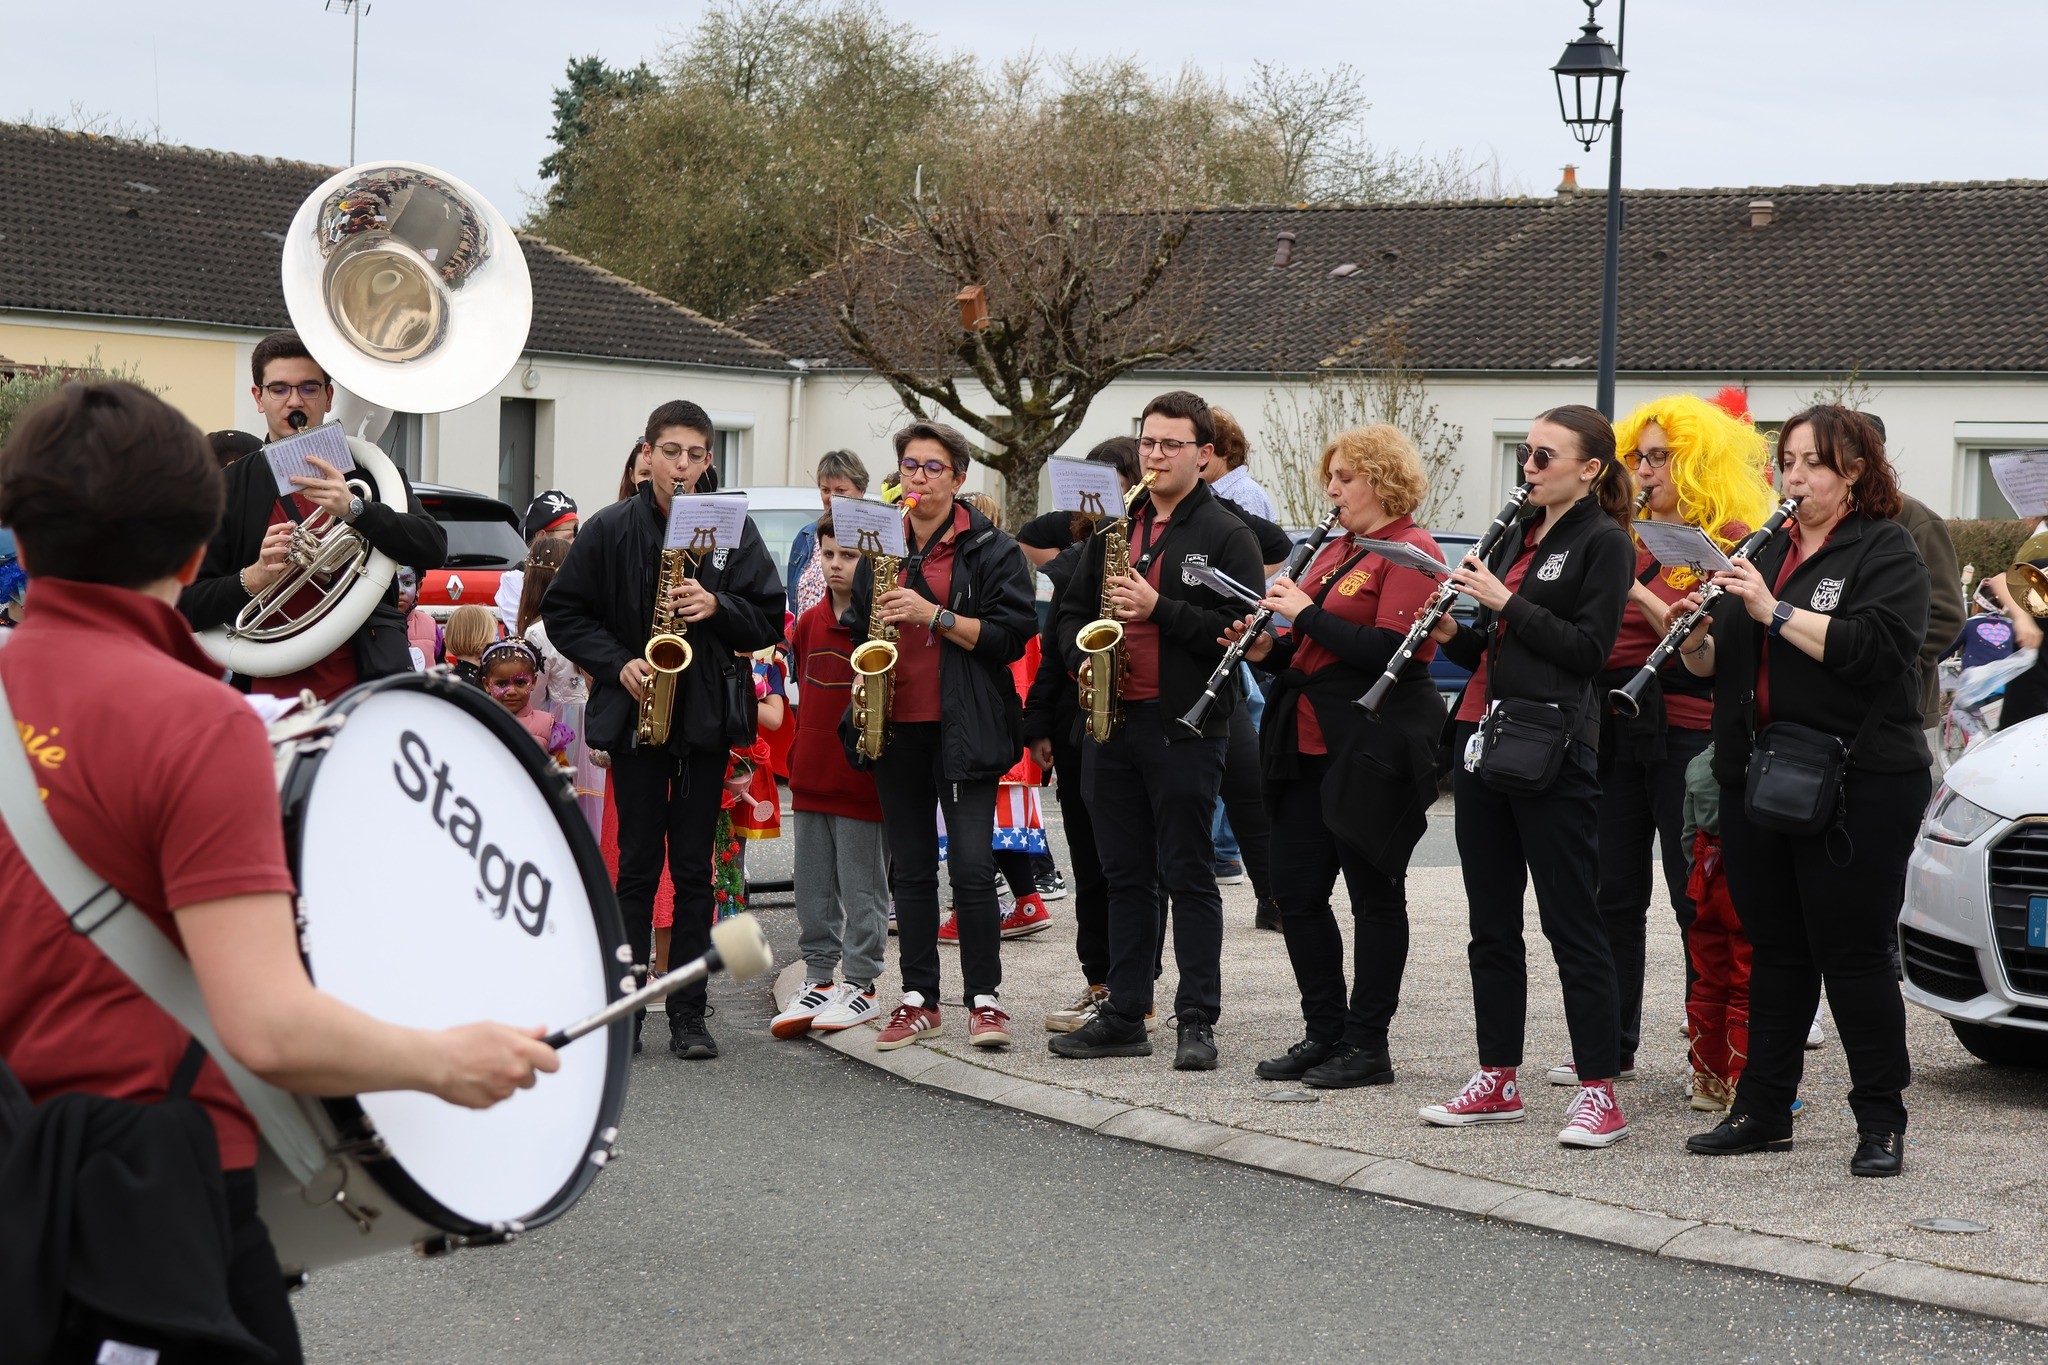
(949,928)
(1595,1120)
(910,1020)
(987,1025)
(1027,916)
(1491,1096)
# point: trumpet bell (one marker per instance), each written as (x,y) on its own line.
(876,656)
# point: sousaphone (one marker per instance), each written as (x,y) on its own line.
(412,292)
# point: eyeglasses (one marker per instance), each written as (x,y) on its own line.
(694,454)
(1164,445)
(1655,459)
(312,388)
(932,468)
(1541,456)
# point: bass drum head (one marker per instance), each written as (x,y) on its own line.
(446,877)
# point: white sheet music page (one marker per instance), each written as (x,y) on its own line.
(1673,543)
(293,456)
(1086,486)
(2022,476)
(703,522)
(873,528)
(1403,555)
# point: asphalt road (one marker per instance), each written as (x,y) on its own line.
(785,1204)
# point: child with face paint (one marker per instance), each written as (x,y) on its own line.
(508,670)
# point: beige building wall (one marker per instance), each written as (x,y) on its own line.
(195,370)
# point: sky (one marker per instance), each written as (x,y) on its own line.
(1727,93)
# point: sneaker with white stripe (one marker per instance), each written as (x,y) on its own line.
(797,1016)
(850,1006)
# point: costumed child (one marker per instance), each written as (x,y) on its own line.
(509,668)
(1717,1007)
(752,807)
(471,629)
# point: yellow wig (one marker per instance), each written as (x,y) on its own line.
(1720,465)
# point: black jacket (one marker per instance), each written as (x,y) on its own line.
(410,536)
(1562,621)
(1052,702)
(1870,581)
(601,604)
(1191,618)
(982,734)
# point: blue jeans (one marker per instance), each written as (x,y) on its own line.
(1220,831)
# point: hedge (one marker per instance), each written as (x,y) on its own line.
(1990,545)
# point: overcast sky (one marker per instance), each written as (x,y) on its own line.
(1721,92)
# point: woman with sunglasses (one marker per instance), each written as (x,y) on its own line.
(1819,637)
(1527,785)
(962,608)
(1699,466)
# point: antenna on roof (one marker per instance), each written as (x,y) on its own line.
(355,9)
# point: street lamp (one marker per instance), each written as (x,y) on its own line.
(1589,76)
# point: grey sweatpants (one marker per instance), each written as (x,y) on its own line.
(842,896)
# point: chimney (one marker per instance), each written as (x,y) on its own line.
(1762,212)
(1283,254)
(1568,186)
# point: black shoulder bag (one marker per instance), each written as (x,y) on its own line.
(1794,783)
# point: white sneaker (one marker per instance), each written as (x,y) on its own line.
(1568,1074)
(848,1007)
(1814,1036)
(796,1017)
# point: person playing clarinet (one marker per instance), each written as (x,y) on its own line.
(1349,611)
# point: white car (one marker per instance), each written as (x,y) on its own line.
(1973,933)
(779,513)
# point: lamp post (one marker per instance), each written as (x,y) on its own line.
(1589,78)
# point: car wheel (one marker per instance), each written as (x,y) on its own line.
(2003,1046)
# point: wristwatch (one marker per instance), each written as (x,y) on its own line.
(1780,614)
(943,619)
(355,509)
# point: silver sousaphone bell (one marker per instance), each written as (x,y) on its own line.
(412,292)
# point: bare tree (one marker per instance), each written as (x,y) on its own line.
(95,123)
(1848,391)
(1301,418)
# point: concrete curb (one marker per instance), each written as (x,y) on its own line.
(1408,1182)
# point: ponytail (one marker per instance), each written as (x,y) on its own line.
(1613,486)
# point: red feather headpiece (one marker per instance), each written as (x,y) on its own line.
(1735,402)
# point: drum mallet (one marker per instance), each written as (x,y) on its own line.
(738,947)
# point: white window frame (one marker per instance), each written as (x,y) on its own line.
(1506,472)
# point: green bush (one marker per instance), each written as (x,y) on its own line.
(29,385)
(1990,545)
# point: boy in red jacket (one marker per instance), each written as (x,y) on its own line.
(842,892)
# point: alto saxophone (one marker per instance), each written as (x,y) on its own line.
(874,665)
(668,653)
(1101,676)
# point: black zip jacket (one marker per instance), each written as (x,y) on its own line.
(1870,581)
(1191,618)
(1562,622)
(983,731)
(409,536)
(1051,701)
(601,604)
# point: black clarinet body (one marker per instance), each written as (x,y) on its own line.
(1438,604)
(1626,698)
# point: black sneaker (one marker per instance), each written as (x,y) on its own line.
(1106,1035)
(639,1018)
(1739,1133)
(1197,1050)
(1051,884)
(1299,1058)
(688,1038)
(1350,1066)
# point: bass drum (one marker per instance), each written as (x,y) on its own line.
(446,876)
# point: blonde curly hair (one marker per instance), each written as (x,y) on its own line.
(1720,464)
(1382,455)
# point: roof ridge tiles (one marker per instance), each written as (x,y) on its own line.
(533,239)
(50,134)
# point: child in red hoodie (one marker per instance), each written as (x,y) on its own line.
(842,887)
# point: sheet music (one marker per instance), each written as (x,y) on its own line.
(1403,555)
(1673,543)
(1218,581)
(292,457)
(703,522)
(2022,475)
(873,528)
(1086,486)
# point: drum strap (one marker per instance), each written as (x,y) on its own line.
(141,950)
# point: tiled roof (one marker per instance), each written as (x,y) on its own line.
(1878,278)
(142,230)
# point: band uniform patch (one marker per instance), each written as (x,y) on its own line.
(1185,576)
(718,558)
(1354,582)
(1827,594)
(1553,567)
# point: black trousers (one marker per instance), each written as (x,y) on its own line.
(1306,860)
(1091,887)
(1504,843)
(667,803)
(908,781)
(1811,921)
(1639,802)
(1153,803)
(1243,793)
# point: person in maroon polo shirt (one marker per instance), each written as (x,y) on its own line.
(159,777)
(247,552)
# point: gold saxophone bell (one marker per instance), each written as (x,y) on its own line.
(667,652)
(874,666)
(1101,676)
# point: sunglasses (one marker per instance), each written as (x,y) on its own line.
(1541,456)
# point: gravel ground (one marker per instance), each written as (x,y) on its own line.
(1977,1150)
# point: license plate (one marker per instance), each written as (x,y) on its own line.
(2037,921)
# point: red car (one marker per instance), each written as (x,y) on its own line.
(483,542)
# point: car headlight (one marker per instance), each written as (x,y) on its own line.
(1954,820)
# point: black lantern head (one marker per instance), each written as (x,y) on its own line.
(1588,82)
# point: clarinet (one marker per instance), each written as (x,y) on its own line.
(1438,605)
(1296,562)
(1624,698)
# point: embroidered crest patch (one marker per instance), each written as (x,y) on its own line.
(1187,577)
(1827,594)
(718,558)
(1553,567)
(1354,582)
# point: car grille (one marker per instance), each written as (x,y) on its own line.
(1940,966)
(2019,871)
